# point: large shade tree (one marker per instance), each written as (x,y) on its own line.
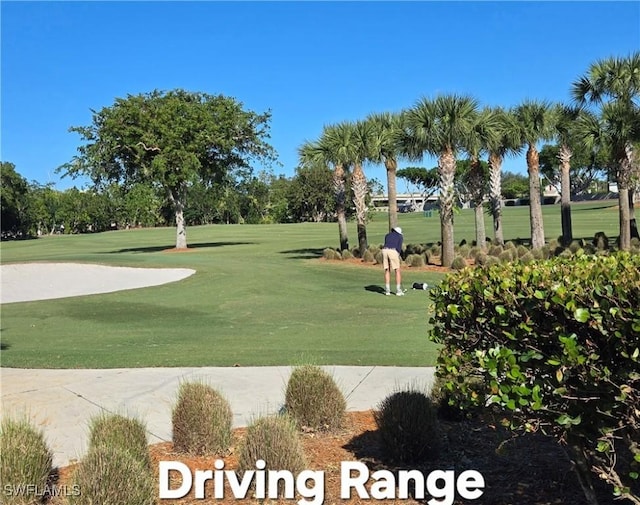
(613,85)
(170,140)
(440,127)
(535,122)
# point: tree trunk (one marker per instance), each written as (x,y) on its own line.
(359,188)
(446,174)
(535,205)
(339,190)
(624,218)
(495,196)
(565,194)
(477,189)
(625,170)
(632,214)
(392,166)
(177,197)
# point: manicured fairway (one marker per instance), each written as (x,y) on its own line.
(261,296)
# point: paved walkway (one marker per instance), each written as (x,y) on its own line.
(61,402)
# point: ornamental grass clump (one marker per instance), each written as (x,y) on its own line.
(331,254)
(458,263)
(274,440)
(26,463)
(111,475)
(409,428)
(415,260)
(119,431)
(201,420)
(314,400)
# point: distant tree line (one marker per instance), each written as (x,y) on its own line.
(31,209)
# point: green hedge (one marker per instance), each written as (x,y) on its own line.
(556,345)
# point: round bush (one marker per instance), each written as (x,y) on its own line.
(368,257)
(415,260)
(408,425)
(314,400)
(115,430)
(276,441)
(331,254)
(346,254)
(458,263)
(26,461)
(112,476)
(201,420)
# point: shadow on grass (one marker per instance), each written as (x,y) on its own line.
(304,254)
(171,247)
(4,346)
(375,289)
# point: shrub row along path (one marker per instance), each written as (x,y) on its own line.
(61,402)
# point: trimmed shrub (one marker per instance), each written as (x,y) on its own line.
(521,251)
(491,260)
(111,476)
(601,241)
(314,400)
(538,254)
(201,420)
(355,252)
(458,263)
(481,258)
(415,260)
(527,258)
(378,257)
(463,250)
(26,462)
(571,364)
(408,425)
(510,245)
(495,250)
(368,257)
(275,440)
(505,256)
(331,254)
(118,431)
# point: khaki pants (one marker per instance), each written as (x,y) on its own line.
(390,259)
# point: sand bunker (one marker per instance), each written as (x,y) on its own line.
(21,282)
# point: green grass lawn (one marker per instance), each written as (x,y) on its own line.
(261,296)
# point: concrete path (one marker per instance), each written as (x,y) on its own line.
(61,402)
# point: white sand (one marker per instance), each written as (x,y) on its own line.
(21,282)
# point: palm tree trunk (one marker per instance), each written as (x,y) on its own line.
(535,205)
(632,214)
(339,190)
(565,193)
(446,174)
(495,196)
(477,185)
(624,217)
(359,187)
(392,166)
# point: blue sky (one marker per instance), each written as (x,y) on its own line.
(310,63)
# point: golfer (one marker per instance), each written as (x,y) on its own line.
(391,259)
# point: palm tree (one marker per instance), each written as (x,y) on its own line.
(323,151)
(359,152)
(505,142)
(565,126)
(483,133)
(386,149)
(440,127)
(535,123)
(614,85)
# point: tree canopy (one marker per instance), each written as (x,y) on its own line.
(170,140)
